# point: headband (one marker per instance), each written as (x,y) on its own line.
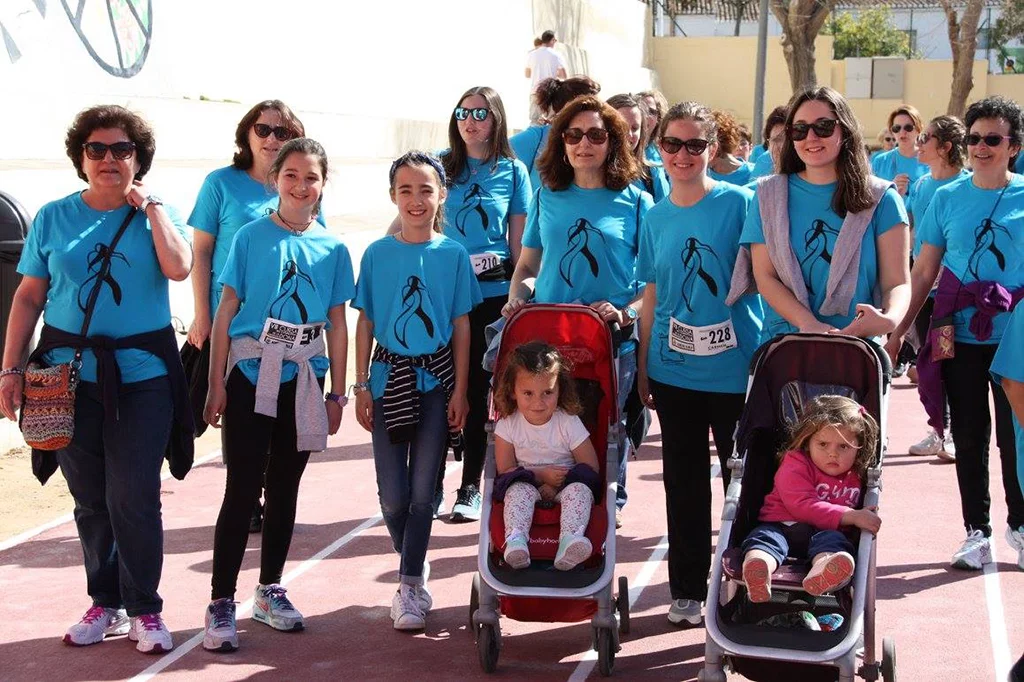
(417,159)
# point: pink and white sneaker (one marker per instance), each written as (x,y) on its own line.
(97,624)
(151,634)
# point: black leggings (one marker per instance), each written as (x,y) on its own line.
(253,444)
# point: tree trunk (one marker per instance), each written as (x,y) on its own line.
(801,21)
(963,41)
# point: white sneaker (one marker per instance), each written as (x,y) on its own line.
(405,609)
(221,632)
(974,553)
(1016,539)
(929,445)
(517,552)
(948,451)
(684,612)
(151,634)
(272,607)
(97,623)
(423,595)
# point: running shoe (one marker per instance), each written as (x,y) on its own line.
(572,551)
(150,633)
(684,612)
(423,595)
(221,631)
(97,624)
(758,580)
(929,445)
(517,551)
(1016,539)
(974,553)
(272,607)
(467,505)
(948,451)
(439,508)
(829,573)
(405,609)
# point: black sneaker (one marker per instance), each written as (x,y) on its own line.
(438,503)
(467,505)
(256,520)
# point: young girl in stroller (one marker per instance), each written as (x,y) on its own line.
(817,489)
(543,451)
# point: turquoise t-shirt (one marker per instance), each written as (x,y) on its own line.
(741,176)
(478,207)
(813,229)
(412,293)
(659,186)
(1018,166)
(288,277)
(590,239)
(229,199)
(977,247)
(65,245)
(888,165)
(924,190)
(762,167)
(653,155)
(756,153)
(528,145)
(689,253)
(1009,363)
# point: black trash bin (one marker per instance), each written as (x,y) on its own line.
(14,224)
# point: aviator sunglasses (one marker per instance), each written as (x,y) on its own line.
(907,128)
(280,132)
(573,136)
(823,127)
(992,140)
(478,114)
(97,151)
(696,146)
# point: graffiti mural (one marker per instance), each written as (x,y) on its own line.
(115,33)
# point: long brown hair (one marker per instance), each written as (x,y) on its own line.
(243,158)
(535,357)
(627,101)
(456,159)
(852,193)
(620,166)
(839,411)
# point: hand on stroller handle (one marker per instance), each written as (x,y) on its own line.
(865,519)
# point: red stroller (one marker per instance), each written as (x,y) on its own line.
(538,593)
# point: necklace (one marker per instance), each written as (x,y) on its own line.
(295,228)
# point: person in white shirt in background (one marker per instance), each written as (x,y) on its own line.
(543,62)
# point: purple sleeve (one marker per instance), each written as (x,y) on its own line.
(503,481)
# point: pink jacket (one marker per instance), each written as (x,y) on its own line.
(804,493)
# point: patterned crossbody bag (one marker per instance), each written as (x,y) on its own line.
(48,406)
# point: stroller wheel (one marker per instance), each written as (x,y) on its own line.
(622,605)
(488,647)
(605,652)
(888,659)
(474,602)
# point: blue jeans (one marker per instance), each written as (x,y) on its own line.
(800,541)
(406,477)
(113,471)
(627,373)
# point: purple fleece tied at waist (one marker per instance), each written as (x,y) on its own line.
(580,473)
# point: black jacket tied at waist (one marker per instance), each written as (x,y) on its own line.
(163,344)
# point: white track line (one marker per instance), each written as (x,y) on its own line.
(997,618)
(245,608)
(67,518)
(636,588)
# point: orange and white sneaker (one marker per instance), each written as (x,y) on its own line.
(828,573)
(758,580)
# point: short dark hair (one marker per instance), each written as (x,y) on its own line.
(998,107)
(555,93)
(243,158)
(107,116)
(547,36)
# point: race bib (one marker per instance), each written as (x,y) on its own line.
(281,332)
(710,340)
(482,262)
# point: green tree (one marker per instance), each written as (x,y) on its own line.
(870,34)
(1009,27)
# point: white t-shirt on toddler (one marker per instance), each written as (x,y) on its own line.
(546,445)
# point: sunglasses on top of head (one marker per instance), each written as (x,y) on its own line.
(823,127)
(97,151)
(478,114)
(993,140)
(671,145)
(907,128)
(280,132)
(573,136)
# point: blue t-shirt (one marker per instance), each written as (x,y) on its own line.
(756,153)
(1009,363)
(888,165)
(590,239)
(288,277)
(1018,166)
(689,254)
(528,145)
(976,247)
(65,245)
(228,199)
(924,190)
(813,229)
(412,293)
(762,167)
(479,205)
(741,176)
(653,155)
(659,186)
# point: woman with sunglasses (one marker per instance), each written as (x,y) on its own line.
(726,166)
(229,198)
(972,231)
(652,178)
(582,234)
(900,164)
(125,418)
(688,249)
(886,140)
(823,188)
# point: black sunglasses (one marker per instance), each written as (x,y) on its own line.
(923,138)
(823,127)
(671,145)
(890,139)
(478,114)
(907,127)
(992,140)
(97,151)
(573,136)
(280,132)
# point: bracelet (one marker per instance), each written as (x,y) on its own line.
(360,386)
(12,370)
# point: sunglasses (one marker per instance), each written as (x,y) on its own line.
(97,151)
(280,132)
(573,136)
(923,138)
(890,139)
(478,114)
(907,127)
(823,127)
(696,146)
(993,140)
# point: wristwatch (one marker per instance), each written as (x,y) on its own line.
(151,199)
(340,399)
(631,314)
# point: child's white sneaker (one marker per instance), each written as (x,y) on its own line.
(517,552)
(828,573)
(758,579)
(572,551)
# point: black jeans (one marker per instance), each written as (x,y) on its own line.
(253,444)
(477,392)
(685,416)
(113,472)
(967,382)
